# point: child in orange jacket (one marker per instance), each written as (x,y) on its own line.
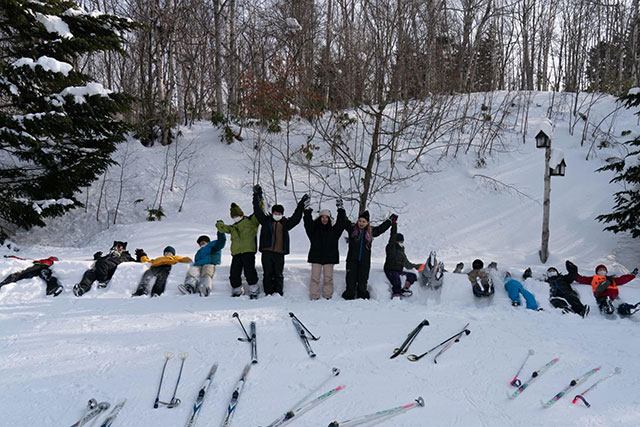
(605,287)
(160,269)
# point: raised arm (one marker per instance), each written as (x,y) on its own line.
(297,214)
(221,239)
(258,207)
(309,224)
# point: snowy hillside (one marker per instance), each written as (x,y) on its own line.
(58,353)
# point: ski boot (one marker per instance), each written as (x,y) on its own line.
(254,291)
(186,289)
(78,291)
(236,292)
(605,305)
(102,285)
(55,291)
(515,304)
(203,290)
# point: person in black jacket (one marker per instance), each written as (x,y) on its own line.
(104,268)
(561,294)
(361,234)
(395,262)
(274,241)
(40,268)
(323,253)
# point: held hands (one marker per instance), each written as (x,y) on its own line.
(393,218)
(139,254)
(339,204)
(257,190)
(306,201)
(97,255)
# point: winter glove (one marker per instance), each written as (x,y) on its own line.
(493,265)
(306,201)
(339,204)
(571,266)
(393,217)
(526,274)
(257,190)
(97,255)
(219,223)
(139,254)
(635,271)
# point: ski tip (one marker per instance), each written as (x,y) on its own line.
(235,314)
(425,322)
(413,358)
(291,314)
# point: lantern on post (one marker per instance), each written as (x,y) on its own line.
(543,140)
(559,169)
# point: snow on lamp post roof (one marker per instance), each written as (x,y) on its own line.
(543,134)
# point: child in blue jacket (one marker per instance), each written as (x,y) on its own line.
(514,289)
(200,274)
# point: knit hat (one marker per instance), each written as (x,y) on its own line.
(477,264)
(400,237)
(364,215)
(235,211)
(325,212)
(602,267)
(277,208)
(169,249)
(202,238)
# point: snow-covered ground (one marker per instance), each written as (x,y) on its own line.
(58,353)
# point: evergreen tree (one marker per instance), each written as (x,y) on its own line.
(58,128)
(626,212)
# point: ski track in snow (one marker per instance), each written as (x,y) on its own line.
(58,353)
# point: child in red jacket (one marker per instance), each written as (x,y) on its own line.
(605,288)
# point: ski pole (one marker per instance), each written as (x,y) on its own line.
(515,381)
(581,395)
(409,340)
(248,338)
(167,356)
(334,373)
(415,358)
(314,338)
(386,414)
(175,402)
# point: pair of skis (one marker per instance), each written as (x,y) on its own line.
(95,409)
(300,407)
(444,345)
(380,415)
(250,338)
(534,376)
(304,334)
(409,340)
(174,401)
(195,410)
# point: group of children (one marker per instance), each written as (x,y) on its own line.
(324,235)
(561,293)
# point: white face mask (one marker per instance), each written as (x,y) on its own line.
(277,217)
(602,272)
(401,244)
(236,219)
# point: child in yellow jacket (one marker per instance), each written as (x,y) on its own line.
(160,268)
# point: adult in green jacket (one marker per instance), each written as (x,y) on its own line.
(243,250)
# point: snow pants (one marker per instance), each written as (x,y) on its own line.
(357,279)
(272,269)
(36,270)
(200,276)
(315,287)
(161,274)
(239,262)
(396,280)
(567,300)
(515,288)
